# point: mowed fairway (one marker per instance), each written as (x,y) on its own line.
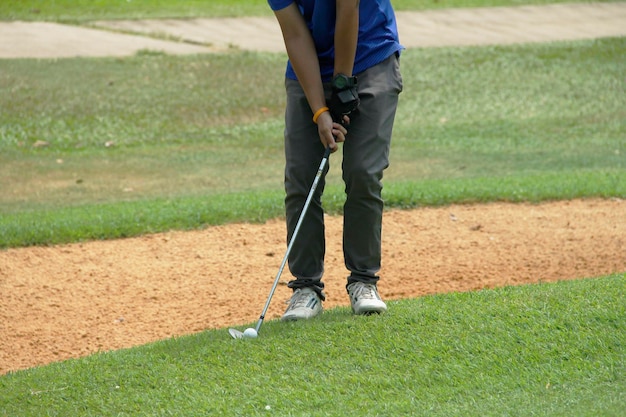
(98,149)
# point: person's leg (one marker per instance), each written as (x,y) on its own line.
(366,155)
(303,154)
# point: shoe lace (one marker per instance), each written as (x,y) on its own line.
(365,291)
(299,299)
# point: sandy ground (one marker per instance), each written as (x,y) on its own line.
(69,301)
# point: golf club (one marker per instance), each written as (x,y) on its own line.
(254,332)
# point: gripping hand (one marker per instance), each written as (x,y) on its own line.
(345,98)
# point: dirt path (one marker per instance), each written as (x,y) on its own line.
(74,300)
(418,29)
(70,301)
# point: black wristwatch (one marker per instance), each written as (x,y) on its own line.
(342,82)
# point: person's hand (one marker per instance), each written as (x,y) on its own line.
(344,100)
(331,133)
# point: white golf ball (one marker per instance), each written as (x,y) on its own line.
(250,333)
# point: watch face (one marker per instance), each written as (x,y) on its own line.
(340,81)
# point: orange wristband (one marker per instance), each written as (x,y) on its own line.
(319,113)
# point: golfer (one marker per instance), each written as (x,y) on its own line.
(342,84)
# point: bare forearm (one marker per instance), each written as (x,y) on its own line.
(304,60)
(346,35)
(306,66)
(302,55)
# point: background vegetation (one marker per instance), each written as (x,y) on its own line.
(101,148)
(80,11)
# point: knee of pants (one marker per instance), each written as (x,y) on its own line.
(360,183)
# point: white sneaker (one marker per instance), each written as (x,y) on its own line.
(365,299)
(304,304)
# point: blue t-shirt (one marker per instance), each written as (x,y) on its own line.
(378,32)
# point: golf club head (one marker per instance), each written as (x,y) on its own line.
(236,334)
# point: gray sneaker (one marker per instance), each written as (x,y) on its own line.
(365,299)
(304,304)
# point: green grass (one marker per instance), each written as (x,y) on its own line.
(132,218)
(85,10)
(548,349)
(190,142)
(193,145)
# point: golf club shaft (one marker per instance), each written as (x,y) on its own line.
(316,181)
